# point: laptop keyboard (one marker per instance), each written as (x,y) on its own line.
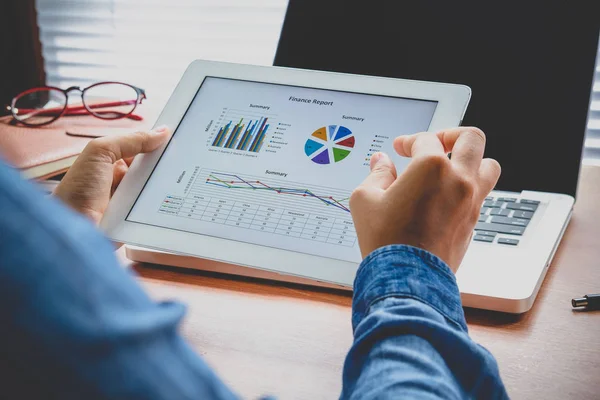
(504,216)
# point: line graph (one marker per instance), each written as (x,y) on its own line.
(233,181)
(267,205)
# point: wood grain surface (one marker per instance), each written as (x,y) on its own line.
(290,341)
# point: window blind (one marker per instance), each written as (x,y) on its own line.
(149,43)
(591,151)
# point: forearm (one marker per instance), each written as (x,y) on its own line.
(410,335)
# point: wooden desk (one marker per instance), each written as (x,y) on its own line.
(267,338)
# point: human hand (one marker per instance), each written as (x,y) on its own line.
(93,178)
(434,204)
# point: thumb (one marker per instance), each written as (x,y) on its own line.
(383,172)
(129,145)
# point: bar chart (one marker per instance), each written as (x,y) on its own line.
(242,130)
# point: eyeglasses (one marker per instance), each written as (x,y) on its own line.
(104,100)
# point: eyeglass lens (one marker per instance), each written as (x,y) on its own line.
(110,100)
(39,106)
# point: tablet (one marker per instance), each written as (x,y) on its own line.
(262,163)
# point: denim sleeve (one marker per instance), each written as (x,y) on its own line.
(73,323)
(410,335)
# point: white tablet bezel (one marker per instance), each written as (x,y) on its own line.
(452,103)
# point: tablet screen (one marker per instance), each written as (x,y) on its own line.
(274,165)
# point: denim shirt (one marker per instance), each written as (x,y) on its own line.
(75,325)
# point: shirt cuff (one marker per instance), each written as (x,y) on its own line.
(408,272)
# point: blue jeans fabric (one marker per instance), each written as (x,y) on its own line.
(75,325)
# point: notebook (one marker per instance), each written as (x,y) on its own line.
(43,152)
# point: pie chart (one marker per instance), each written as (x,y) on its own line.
(329,144)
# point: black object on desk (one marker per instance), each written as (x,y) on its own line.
(589,301)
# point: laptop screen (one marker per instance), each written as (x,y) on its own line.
(530,65)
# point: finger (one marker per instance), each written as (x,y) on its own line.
(467,145)
(489,173)
(129,145)
(448,138)
(128,161)
(119,171)
(401,141)
(418,145)
(383,172)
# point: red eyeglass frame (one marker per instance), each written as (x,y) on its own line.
(84,109)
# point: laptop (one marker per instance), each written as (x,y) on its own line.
(530,66)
